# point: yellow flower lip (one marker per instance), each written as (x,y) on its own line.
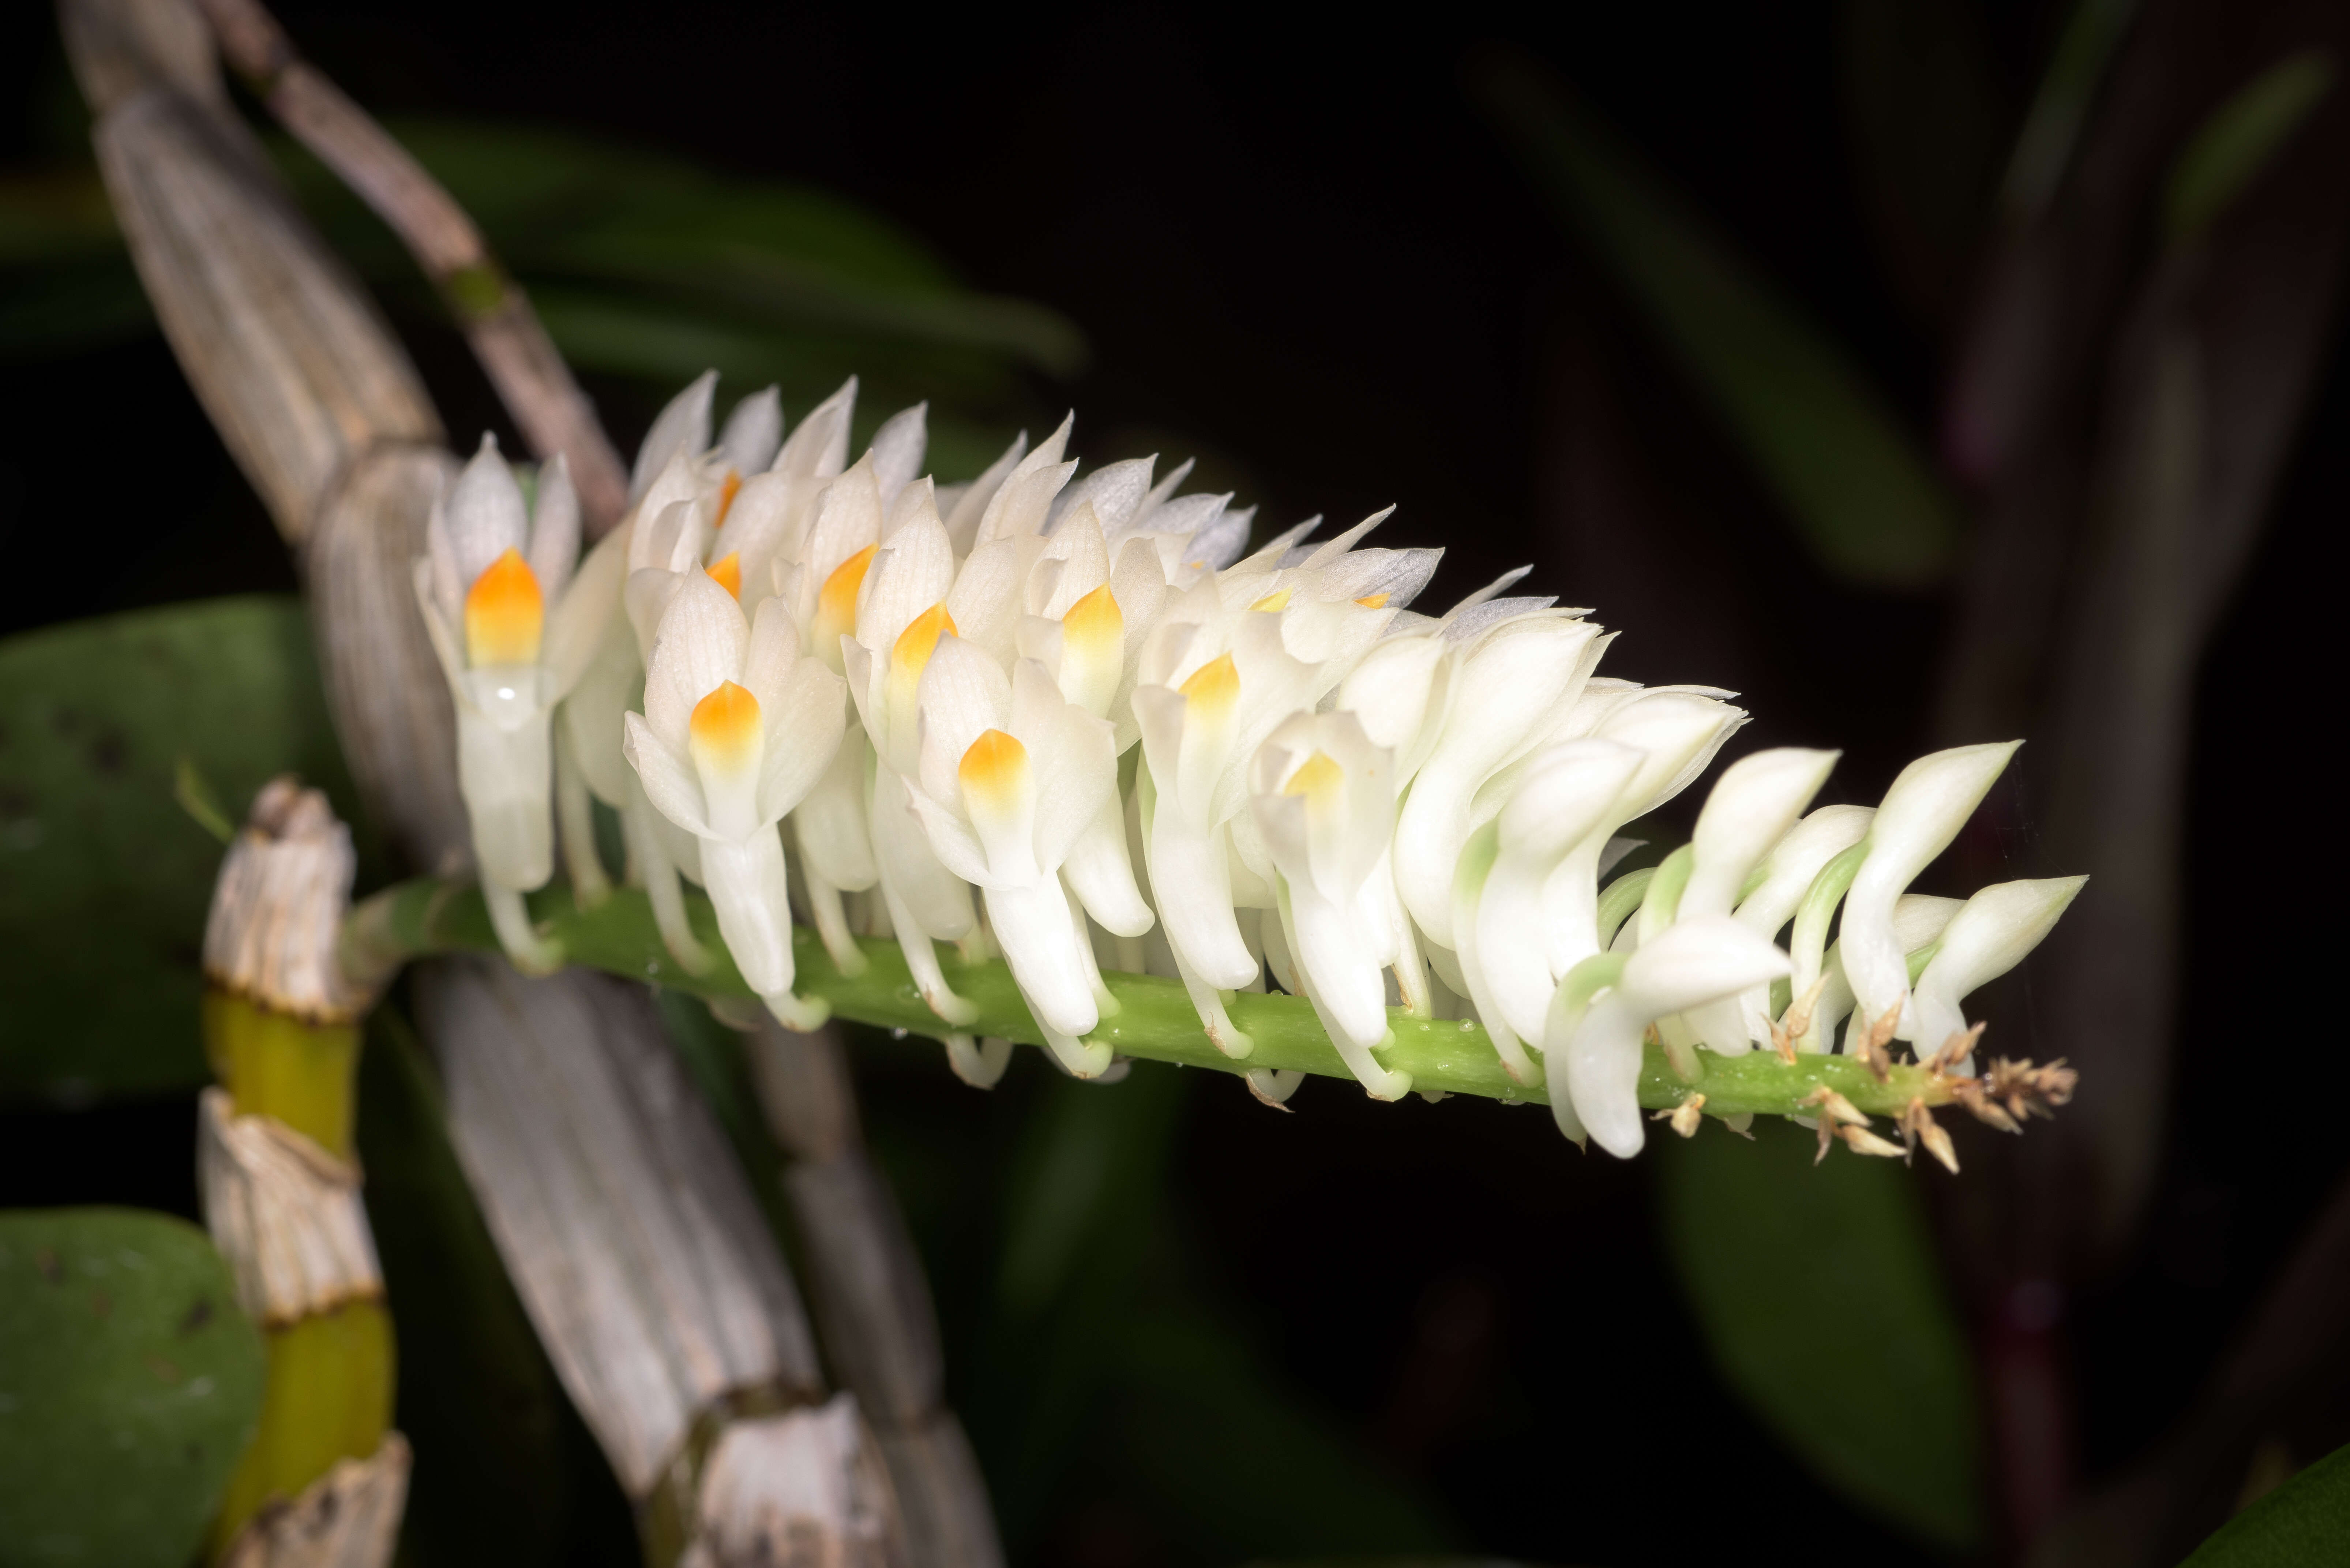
(728,489)
(1211,689)
(506,614)
(838,602)
(727,573)
(1373,601)
(1095,620)
(994,770)
(1276,600)
(911,654)
(1317,778)
(725,731)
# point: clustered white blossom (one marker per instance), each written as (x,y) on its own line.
(844,692)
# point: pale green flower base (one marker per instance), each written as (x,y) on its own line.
(1155,1021)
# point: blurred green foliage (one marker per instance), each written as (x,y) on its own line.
(2238,139)
(2304,1523)
(1824,1305)
(641,266)
(104,877)
(130,1382)
(1862,496)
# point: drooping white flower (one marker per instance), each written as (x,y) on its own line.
(738,726)
(1918,921)
(1592,1037)
(1323,800)
(1751,807)
(1497,917)
(1011,772)
(1985,939)
(1915,822)
(513,629)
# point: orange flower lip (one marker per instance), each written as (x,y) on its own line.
(728,489)
(994,770)
(727,573)
(911,652)
(838,602)
(725,731)
(506,614)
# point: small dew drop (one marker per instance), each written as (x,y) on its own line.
(1466,1025)
(897,1033)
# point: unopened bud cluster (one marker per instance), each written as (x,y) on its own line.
(1073,720)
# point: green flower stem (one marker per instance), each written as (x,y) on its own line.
(1155,1021)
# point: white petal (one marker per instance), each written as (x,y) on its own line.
(754,431)
(554,528)
(668,778)
(698,648)
(914,570)
(1039,939)
(963,694)
(897,449)
(1752,805)
(1991,935)
(681,429)
(1918,817)
(829,821)
(1101,873)
(1076,770)
(1507,684)
(484,512)
(1796,859)
(1115,491)
(588,612)
(748,888)
(819,448)
(806,718)
(963,521)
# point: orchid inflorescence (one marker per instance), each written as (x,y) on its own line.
(846,693)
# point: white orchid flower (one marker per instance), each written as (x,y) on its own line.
(1985,939)
(1751,807)
(1010,773)
(514,629)
(1497,915)
(1592,1037)
(1917,922)
(900,616)
(1323,800)
(1519,674)
(1915,822)
(1677,730)
(1779,886)
(738,726)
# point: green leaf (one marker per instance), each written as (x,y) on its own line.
(564,209)
(2237,140)
(130,1383)
(2302,1522)
(2060,105)
(1861,495)
(1819,1297)
(104,878)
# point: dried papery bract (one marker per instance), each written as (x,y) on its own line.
(281,1192)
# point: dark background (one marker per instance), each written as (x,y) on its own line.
(1301,254)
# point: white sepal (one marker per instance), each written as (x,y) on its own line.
(1690,963)
(1917,820)
(1988,937)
